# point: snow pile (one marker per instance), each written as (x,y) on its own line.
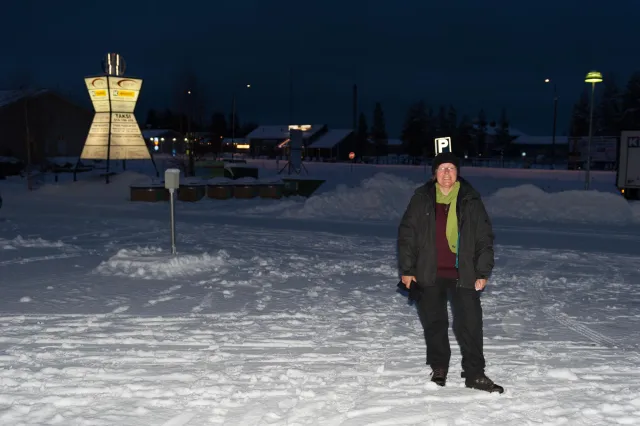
(381,197)
(386,196)
(20,242)
(531,203)
(635,210)
(154,263)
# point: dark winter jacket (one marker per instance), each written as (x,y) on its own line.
(417,237)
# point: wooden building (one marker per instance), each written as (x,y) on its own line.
(36,124)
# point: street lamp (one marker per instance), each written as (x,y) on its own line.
(555,117)
(233,121)
(190,142)
(592,77)
(233,116)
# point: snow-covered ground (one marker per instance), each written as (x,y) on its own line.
(286,312)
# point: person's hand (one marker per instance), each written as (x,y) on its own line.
(481,284)
(407,280)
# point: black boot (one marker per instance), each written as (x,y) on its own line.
(439,376)
(483,383)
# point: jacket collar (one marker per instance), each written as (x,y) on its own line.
(467,191)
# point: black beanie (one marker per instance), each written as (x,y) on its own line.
(445,157)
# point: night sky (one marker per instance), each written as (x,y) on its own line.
(460,52)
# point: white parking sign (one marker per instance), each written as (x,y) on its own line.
(443,145)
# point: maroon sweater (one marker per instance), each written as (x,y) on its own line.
(446,258)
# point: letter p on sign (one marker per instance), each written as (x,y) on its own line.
(443,145)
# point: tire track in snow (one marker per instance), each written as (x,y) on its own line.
(39,259)
(565,320)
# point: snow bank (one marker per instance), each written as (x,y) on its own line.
(20,242)
(154,263)
(383,196)
(529,202)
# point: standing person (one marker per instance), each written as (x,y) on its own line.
(445,247)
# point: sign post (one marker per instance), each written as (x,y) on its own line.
(172,182)
(114,133)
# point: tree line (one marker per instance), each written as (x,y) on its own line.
(615,108)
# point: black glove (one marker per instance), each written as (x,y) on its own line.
(415,292)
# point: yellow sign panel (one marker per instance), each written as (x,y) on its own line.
(100,93)
(125,93)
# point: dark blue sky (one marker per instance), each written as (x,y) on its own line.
(470,53)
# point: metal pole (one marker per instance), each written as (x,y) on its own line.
(233,125)
(233,119)
(588,174)
(555,117)
(173,221)
(108,134)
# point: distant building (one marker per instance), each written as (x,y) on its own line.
(271,141)
(54,125)
(335,144)
(395,147)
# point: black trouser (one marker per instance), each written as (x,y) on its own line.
(467,325)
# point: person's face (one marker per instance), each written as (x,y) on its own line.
(446,175)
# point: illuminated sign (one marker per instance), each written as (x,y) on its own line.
(114,133)
(443,145)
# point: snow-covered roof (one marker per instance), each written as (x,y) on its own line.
(7,97)
(281,132)
(540,140)
(331,138)
(394,142)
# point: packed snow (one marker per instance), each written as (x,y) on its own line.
(285,312)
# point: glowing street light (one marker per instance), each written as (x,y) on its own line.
(592,77)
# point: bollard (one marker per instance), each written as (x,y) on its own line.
(172,182)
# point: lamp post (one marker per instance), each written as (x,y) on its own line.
(555,119)
(592,77)
(190,142)
(233,121)
(233,116)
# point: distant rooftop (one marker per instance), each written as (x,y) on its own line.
(331,139)
(7,97)
(281,132)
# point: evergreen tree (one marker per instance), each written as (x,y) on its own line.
(631,104)
(452,121)
(503,138)
(464,138)
(481,132)
(152,120)
(442,123)
(362,137)
(218,131)
(247,128)
(580,116)
(414,132)
(379,132)
(609,108)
